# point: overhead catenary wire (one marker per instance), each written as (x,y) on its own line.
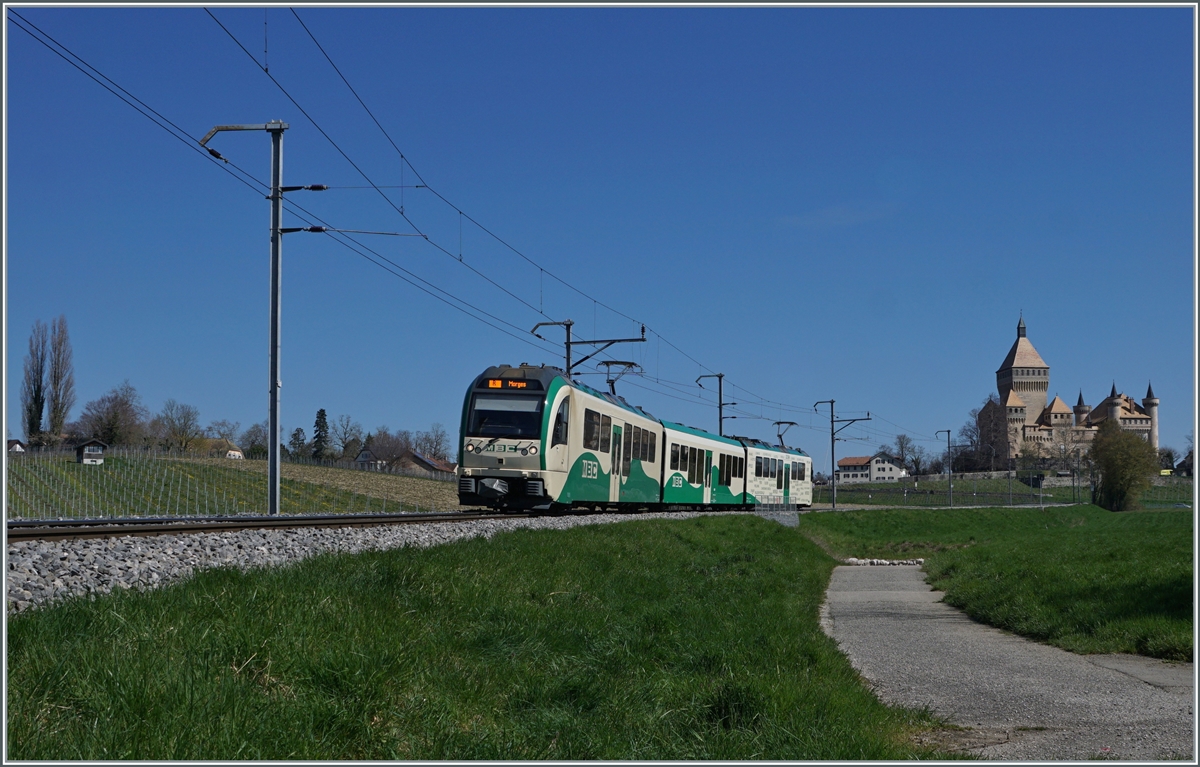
(360,171)
(249,180)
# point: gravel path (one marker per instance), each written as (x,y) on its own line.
(40,572)
(1016,699)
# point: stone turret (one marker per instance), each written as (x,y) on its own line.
(1114,405)
(1082,411)
(1150,403)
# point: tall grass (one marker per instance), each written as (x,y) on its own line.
(1080,578)
(682,639)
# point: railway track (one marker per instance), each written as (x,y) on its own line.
(43,530)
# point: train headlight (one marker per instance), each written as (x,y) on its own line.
(533,451)
(524,451)
(470,448)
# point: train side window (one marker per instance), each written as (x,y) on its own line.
(637,443)
(801,470)
(643,444)
(708,469)
(605,433)
(591,430)
(774,467)
(783,470)
(653,454)
(674,457)
(758,465)
(693,467)
(561,425)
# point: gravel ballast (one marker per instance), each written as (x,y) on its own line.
(41,572)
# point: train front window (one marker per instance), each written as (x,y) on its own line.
(505,417)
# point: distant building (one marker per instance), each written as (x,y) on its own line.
(16,446)
(880,467)
(1023,382)
(90,452)
(368,460)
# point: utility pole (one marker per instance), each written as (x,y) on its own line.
(949,465)
(721,403)
(833,440)
(276,129)
(569,343)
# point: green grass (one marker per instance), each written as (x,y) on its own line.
(1172,492)
(1080,578)
(655,639)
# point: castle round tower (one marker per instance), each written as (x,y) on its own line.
(1114,405)
(1150,403)
(1082,412)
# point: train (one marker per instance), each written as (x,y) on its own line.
(532,438)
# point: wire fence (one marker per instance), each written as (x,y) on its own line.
(133,483)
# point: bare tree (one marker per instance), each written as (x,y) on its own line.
(116,418)
(345,432)
(254,440)
(226,430)
(918,460)
(180,425)
(33,387)
(433,443)
(61,383)
(388,446)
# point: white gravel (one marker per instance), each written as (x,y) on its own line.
(41,572)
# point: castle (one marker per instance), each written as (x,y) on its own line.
(1023,381)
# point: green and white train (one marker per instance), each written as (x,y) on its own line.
(533,439)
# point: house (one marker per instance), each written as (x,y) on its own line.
(1184,467)
(880,467)
(16,446)
(90,452)
(430,464)
(369,461)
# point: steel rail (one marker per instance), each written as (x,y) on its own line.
(50,530)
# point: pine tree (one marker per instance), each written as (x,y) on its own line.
(320,441)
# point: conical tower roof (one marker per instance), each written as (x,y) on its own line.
(1058,406)
(1080,403)
(1022,354)
(1150,391)
(1113,393)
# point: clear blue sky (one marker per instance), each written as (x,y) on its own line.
(845,203)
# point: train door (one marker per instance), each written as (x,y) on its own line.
(557,456)
(708,476)
(614,492)
(627,453)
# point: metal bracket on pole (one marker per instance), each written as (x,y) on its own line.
(569,342)
(721,403)
(833,442)
(276,129)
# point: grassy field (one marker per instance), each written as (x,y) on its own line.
(1080,578)
(45,487)
(1172,493)
(654,639)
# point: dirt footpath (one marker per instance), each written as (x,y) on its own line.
(1013,698)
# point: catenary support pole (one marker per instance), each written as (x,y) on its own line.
(276,130)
